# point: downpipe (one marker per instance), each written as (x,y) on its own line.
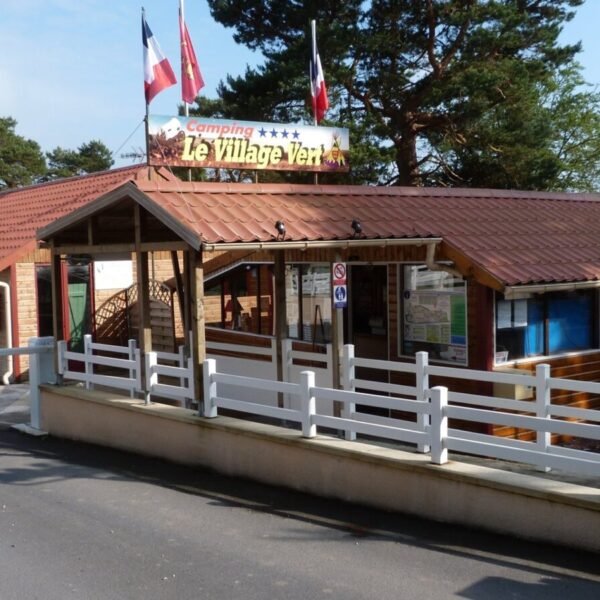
(8,320)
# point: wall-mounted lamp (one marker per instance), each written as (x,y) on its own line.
(356,227)
(280,226)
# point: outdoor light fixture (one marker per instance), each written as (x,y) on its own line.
(356,226)
(280,226)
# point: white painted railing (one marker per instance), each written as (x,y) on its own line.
(181,369)
(131,365)
(430,431)
(321,364)
(309,418)
(246,392)
(41,370)
(245,360)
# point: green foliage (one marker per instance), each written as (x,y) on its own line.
(21,160)
(88,158)
(435,92)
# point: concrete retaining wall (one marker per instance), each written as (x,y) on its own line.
(390,479)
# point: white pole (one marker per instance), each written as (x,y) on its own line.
(182,16)
(313,60)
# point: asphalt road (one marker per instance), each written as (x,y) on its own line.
(79,521)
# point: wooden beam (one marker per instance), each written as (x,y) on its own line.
(178,284)
(337,339)
(57,303)
(143,279)
(97,249)
(90,230)
(198,342)
(280,314)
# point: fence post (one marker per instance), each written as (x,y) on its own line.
(89,365)
(542,408)
(422,385)
(41,370)
(191,382)
(308,404)
(286,354)
(348,375)
(61,347)
(138,370)
(439,425)
(132,345)
(210,388)
(182,363)
(151,375)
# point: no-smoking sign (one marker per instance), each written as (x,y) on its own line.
(339,273)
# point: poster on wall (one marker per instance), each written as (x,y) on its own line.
(436,318)
(219,143)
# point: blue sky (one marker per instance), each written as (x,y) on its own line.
(71,70)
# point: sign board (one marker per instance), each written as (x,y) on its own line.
(218,143)
(340,296)
(339,273)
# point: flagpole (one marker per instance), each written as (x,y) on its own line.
(186,110)
(313,62)
(146,128)
(313,29)
(182,17)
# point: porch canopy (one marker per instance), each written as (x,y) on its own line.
(513,242)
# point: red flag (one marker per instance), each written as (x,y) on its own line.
(318,90)
(191,78)
(158,73)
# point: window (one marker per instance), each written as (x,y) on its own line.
(44,300)
(309,304)
(241,300)
(547,324)
(434,314)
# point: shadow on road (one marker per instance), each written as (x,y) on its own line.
(55,460)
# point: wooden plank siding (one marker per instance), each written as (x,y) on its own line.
(582,367)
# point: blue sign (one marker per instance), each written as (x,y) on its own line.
(340,296)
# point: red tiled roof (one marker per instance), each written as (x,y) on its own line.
(24,210)
(517,237)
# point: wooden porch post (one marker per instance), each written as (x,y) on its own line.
(187,306)
(195,276)
(57,301)
(337,341)
(179,287)
(280,314)
(143,281)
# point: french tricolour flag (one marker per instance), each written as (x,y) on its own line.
(318,90)
(158,74)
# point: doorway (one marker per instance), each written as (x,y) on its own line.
(368,314)
(78,321)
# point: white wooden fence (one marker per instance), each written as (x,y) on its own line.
(433,407)
(131,380)
(309,401)
(180,370)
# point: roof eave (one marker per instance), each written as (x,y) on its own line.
(127,190)
(309,244)
(520,291)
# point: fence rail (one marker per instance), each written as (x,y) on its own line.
(416,414)
(182,371)
(131,382)
(432,408)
